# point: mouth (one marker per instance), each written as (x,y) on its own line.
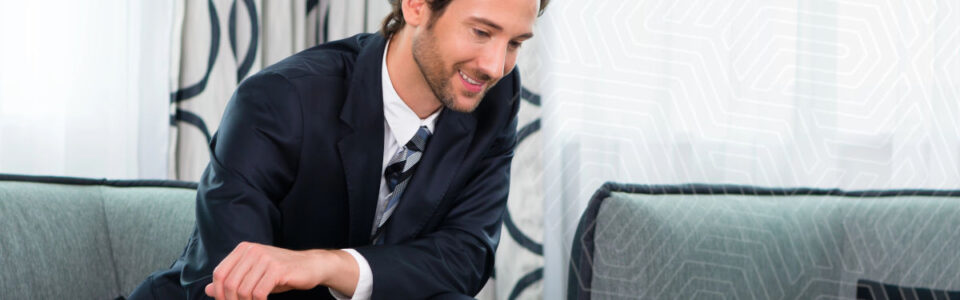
(472,85)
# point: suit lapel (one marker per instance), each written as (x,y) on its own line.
(361,145)
(431,181)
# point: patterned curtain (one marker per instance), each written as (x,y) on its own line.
(220,43)
(519,265)
(520,256)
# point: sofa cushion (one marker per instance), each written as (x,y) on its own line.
(872,290)
(704,242)
(53,243)
(80,238)
(149,227)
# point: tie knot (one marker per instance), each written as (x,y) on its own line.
(419,140)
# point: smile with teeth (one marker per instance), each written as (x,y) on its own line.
(468,79)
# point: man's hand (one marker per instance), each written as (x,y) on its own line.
(253,271)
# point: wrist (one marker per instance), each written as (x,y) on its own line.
(330,265)
(319,264)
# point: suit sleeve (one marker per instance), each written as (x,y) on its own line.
(458,257)
(253,161)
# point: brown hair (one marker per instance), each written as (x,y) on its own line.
(394,21)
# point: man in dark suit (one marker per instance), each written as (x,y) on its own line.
(371,167)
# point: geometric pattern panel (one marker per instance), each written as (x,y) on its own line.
(855,94)
(771,247)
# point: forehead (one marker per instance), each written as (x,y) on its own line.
(512,15)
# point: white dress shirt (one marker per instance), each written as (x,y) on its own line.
(400,124)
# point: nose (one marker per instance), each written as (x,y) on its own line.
(492,61)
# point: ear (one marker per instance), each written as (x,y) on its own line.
(415,12)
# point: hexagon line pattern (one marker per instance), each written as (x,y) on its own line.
(855,94)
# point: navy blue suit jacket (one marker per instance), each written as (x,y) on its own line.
(296,164)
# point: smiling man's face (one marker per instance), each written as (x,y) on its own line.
(474,43)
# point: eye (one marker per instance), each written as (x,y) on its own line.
(481,33)
(514,45)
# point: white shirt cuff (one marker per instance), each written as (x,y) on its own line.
(364,284)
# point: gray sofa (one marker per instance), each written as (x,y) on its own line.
(71,238)
(77,238)
(741,242)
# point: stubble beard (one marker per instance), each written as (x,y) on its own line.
(430,63)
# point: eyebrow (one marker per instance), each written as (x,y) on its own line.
(496,27)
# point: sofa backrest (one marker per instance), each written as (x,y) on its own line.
(706,242)
(69,238)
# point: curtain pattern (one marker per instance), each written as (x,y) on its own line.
(220,43)
(519,264)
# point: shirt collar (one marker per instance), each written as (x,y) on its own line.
(403,122)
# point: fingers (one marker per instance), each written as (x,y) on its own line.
(253,271)
(252,277)
(210,290)
(265,286)
(248,257)
(222,272)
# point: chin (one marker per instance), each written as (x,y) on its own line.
(463,105)
(470,101)
(464,101)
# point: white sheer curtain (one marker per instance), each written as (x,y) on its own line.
(82,88)
(852,94)
(85,85)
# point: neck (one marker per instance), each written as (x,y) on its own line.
(406,77)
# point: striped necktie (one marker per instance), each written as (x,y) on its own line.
(397,175)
